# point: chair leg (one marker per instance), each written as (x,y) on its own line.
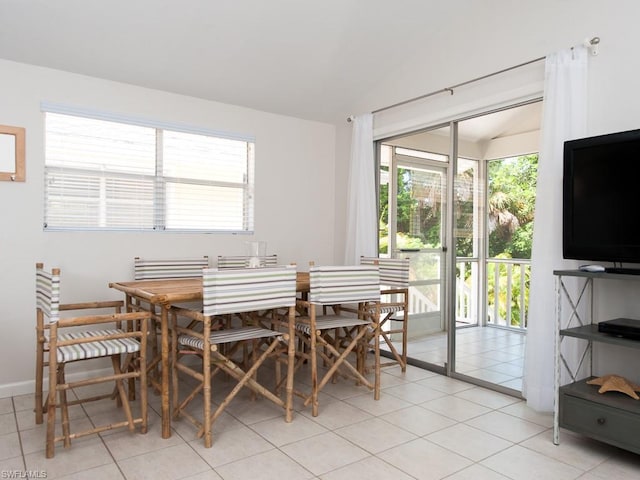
(314,374)
(361,355)
(206,380)
(376,354)
(174,363)
(254,358)
(339,359)
(245,378)
(40,365)
(39,405)
(115,361)
(143,391)
(153,369)
(291,360)
(405,335)
(278,374)
(394,351)
(398,357)
(64,407)
(51,414)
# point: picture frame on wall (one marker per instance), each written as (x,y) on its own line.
(12,154)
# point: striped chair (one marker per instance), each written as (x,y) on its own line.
(323,335)
(42,344)
(244,292)
(242,261)
(63,347)
(153,269)
(394,278)
(158,269)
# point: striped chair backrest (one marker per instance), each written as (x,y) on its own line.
(248,289)
(242,261)
(331,285)
(394,272)
(48,292)
(145,269)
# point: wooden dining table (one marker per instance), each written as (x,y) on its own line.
(164,293)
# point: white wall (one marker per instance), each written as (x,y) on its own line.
(295,204)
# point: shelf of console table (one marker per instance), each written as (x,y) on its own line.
(590,332)
(610,417)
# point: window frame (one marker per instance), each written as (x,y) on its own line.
(161,204)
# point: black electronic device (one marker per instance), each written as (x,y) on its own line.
(600,199)
(621,327)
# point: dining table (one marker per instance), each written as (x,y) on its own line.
(163,293)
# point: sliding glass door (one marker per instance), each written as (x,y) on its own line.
(458,201)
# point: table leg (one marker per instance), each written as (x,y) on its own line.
(164,372)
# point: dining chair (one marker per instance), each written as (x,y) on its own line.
(88,337)
(242,261)
(339,338)
(394,281)
(244,292)
(42,343)
(160,269)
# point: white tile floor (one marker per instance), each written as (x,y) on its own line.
(425,426)
(492,354)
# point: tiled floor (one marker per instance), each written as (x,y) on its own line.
(492,354)
(425,426)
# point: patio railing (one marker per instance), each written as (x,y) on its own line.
(508,283)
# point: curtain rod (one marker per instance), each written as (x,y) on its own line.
(590,43)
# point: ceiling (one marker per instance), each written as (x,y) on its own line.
(317,60)
(501,124)
(481,129)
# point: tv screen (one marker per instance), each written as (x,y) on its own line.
(601,196)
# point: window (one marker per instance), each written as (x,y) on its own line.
(109,175)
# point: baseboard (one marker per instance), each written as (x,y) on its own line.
(18,388)
(28,387)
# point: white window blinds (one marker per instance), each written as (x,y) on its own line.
(107,175)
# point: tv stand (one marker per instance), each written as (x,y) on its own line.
(623,271)
(613,417)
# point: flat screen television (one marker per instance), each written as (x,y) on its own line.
(601,199)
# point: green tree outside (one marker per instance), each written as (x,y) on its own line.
(511,203)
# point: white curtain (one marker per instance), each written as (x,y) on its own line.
(564,118)
(362,222)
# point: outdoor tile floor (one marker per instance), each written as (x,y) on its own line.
(492,354)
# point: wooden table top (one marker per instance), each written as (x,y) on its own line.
(177,290)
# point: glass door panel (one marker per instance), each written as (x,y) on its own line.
(420,211)
(494,200)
